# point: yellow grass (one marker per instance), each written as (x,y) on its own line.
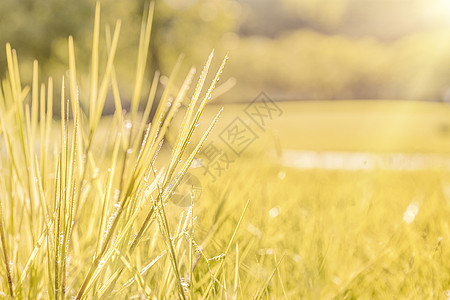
(87,207)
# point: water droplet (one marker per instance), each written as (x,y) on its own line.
(116,195)
(101,263)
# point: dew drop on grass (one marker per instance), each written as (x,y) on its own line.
(218,257)
(110,222)
(11,268)
(116,195)
(197,163)
(129,151)
(96,171)
(128,124)
(101,263)
(297,258)
(184,282)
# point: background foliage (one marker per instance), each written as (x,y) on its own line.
(340,49)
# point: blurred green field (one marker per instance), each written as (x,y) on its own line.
(365,234)
(343,235)
(379,126)
(336,234)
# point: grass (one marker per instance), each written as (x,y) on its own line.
(343,234)
(79,215)
(377,126)
(86,208)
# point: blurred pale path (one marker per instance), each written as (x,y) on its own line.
(357,161)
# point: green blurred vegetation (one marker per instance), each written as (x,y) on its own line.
(292,50)
(344,49)
(39,30)
(377,126)
(318,66)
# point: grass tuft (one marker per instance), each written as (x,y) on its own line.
(81,209)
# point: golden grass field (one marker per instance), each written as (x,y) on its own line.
(361,234)
(356,125)
(95,207)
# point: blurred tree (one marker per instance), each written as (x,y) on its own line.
(306,49)
(321,13)
(191,27)
(38,29)
(35,27)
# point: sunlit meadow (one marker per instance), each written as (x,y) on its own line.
(98,207)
